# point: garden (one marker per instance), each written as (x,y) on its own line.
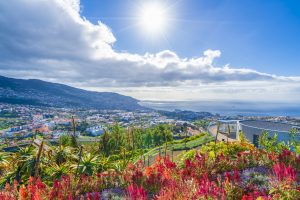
(217,170)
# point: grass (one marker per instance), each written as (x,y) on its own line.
(179,145)
(193,143)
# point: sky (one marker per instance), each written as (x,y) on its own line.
(180,50)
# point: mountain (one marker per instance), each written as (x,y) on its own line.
(42,93)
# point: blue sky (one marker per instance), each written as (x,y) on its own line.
(226,50)
(257,34)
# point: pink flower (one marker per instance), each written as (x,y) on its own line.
(236,176)
(136,193)
(282,172)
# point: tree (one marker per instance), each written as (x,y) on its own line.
(294,140)
(148,138)
(185,130)
(202,123)
(117,137)
(104,144)
(157,136)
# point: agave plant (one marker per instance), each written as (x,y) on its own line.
(22,163)
(104,163)
(87,164)
(4,162)
(55,171)
(62,154)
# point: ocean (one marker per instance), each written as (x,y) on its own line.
(229,108)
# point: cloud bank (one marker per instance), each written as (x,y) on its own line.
(50,40)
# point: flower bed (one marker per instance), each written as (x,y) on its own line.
(222,171)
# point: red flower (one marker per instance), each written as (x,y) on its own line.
(136,193)
(282,172)
(227,177)
(23,193)
(236,176)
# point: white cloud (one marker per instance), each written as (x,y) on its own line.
(50,40)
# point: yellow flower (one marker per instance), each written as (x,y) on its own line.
(212,154)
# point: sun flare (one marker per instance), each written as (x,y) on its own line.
(153,18)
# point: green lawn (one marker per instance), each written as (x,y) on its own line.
(193,143)
(179,145)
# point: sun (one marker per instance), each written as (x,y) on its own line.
(153,18)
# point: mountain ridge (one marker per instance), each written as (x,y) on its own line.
(43,93)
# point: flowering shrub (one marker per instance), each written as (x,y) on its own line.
(284,182)
(240,172)
(136,193)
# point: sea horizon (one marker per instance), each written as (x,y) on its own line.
(228,108)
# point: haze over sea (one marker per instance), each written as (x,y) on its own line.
(229,108)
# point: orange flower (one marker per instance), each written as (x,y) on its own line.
(166,175)
(148,171)
(23,193)
(7,187)
(131,166)
(37,195)
(157,159)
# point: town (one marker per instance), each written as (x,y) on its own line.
(20,123)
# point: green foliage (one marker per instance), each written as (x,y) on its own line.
(9,114)
(231,148)
(242,138)
(64,140)
(192,142)
(294,141)
(10,122)
(148,138)
(57,171)
(74,142)
(3,162)
(117,147)
(185,156)
(104,145)
(88,163)
(259,179)
(162,134)
(116,138)
(202,123)
(270,143)
(62,154)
